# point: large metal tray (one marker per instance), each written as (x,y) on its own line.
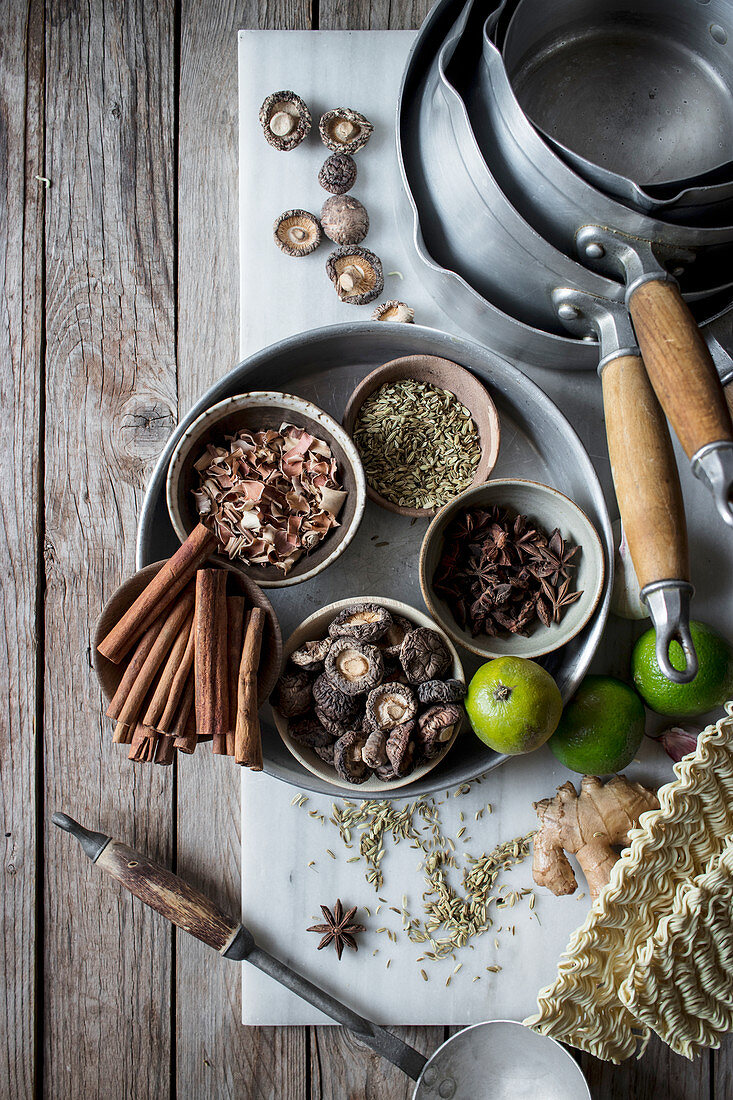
(537,442)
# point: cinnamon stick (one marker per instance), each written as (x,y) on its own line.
(168,674)
(132,671)
(248,735)
(162,590)
(166,750)
(142,746)
(210,657)
(173,621)
(123,734)
(235,642)
(184,734)
(179,685)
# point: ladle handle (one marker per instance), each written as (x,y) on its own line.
(191,910)
(648,492)
(680,366)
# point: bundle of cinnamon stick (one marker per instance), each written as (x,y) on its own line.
(194,654)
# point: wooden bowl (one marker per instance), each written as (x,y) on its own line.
(446,376)
(316,626)
(255,411)
(548,507)
(109,674)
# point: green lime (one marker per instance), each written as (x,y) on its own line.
(513,704)
(601,727)
(712,686)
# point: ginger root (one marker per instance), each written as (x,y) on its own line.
(589,825)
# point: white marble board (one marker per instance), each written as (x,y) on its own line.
(281,296)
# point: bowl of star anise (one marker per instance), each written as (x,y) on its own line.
(511,568)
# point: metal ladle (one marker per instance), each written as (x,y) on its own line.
(498,1059)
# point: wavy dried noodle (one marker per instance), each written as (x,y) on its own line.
(628,969)
(271,496)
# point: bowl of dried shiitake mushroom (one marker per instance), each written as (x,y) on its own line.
(371,694)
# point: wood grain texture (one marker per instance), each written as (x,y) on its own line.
(110,387)
(659,1075)
(215,1055)
(680,366)
(645,473)
(22,201)
(379,15)
(342,1068)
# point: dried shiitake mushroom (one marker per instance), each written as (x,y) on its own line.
(424,655)
(435,727)
(386,772)
(285,120)
(400,748)
(332,702)
(389,705)
(307,730)
(344,131)
(297,233)
(356,274)
(338,174)
(394,311)
(391,641)
(337,727)
(344,219)
(326,752)
(311,655)
(364,622)
(441,691)
(294,694)
(374,752)
(347,758)
(354,667)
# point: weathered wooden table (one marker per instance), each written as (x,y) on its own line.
(118,308)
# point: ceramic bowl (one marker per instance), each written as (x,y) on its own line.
(550,509)
(316,626)
(109,674)
(255,411)
(447,376)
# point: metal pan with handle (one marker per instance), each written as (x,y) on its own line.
(500,1059)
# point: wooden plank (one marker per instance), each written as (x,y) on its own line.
(22,199)
(660,1073)
(215,1055)
(377,15)
(722,1072)
(341,1066)
(110,389)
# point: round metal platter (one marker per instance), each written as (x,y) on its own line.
(537,443)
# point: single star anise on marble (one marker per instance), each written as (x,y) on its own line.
(339,927)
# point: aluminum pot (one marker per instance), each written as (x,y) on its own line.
(433,161)
(644,91)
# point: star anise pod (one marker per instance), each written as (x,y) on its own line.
(559,557)
(339,927)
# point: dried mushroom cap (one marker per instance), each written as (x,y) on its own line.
(307,730)
(356,274)
(391,641)
(436,726)
(400,748)
(354,667)
(338,173)
(374,753)
(441,691)
(344,219)
(337,727)
(297,233)
(386,773)
(285,120)
(424,655)
(332,702)
(311,655)
(325,752)
(294,694)
(389,705)
(363,621)
(394,311)
(344,131)
(347,758)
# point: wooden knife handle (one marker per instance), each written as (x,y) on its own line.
(159,888)
(680,366)
(644,473)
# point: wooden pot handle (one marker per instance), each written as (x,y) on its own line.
(680,366)
(159,888)
(645,473)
